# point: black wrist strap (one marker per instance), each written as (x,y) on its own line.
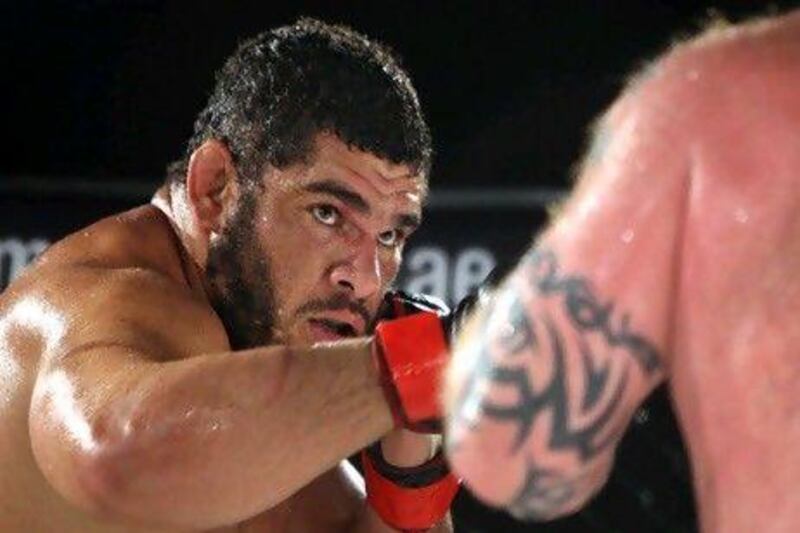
(422,475)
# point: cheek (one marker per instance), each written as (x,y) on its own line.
(298,267)
(291,267)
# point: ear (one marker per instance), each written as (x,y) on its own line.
(211,185)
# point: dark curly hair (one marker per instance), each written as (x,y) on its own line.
(284,86)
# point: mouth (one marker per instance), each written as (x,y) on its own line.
(326,329)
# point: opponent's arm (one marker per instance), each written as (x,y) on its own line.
(547,376)
(128,420)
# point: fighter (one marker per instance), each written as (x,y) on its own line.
(206,362)
(675,258)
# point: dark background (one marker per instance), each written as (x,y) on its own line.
(109,89)
(98,96)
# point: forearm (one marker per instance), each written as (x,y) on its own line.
(214,439)
(542,385)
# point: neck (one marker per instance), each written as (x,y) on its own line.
(172,204)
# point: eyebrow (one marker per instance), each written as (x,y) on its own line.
(356,201)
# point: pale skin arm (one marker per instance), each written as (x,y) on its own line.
(547,376)
(120,428)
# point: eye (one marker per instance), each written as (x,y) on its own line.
(326,214)
(390,238)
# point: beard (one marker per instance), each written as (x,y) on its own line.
(242,291)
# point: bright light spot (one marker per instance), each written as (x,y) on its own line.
(62,395)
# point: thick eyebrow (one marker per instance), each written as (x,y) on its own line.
(339,191)
(410,221)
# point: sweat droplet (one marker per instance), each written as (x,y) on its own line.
(627,236)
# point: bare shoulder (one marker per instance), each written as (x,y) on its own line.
(704,93)
(695,76)
(758,43)
(722,64)
(119,281)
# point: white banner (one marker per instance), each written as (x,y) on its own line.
(15,254)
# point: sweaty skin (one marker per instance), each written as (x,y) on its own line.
(122,406)
(677,258)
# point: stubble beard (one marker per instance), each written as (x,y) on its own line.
(242,291)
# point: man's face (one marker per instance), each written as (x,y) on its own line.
(309,258)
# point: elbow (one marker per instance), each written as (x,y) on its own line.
(106,463)
(530,489)
(553,499)
(83,469)
(137,471)
(100,485)
(159,479)
(86,449)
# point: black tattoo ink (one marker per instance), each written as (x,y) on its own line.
(585,421)
(553,399)
(542,491)
(586,312)
(595,379)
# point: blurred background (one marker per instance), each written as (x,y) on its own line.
(98,96)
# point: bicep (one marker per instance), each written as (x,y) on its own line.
(112,336)
(90,379)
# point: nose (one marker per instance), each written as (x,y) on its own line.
(360,273)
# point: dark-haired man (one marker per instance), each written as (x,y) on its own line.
(676,258)
(201,362)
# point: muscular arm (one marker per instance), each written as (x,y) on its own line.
(546,378)
(127,419)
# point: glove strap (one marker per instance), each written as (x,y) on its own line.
(411,353)
(409,499)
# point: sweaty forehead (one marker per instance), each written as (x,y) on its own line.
(367,170)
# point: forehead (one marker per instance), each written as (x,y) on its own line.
(370,174)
